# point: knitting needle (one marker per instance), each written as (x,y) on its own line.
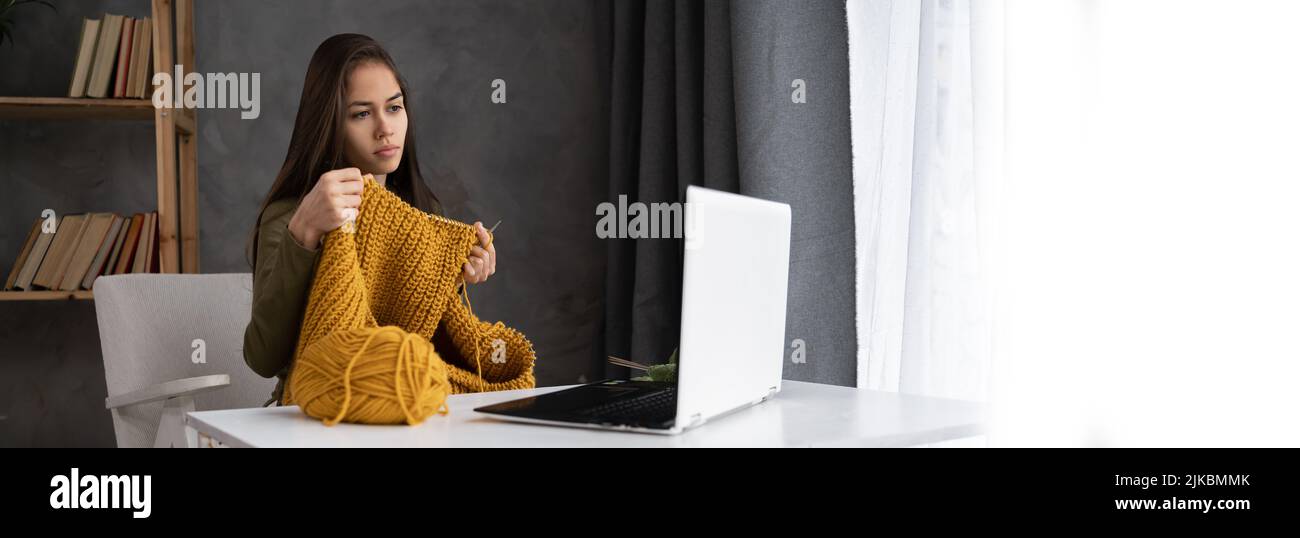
(632,366)
(627,363)
(491,233)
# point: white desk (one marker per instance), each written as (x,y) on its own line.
(801,415)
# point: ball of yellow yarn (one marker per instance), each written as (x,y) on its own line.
(371,375)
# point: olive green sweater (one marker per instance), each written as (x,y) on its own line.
(282,277)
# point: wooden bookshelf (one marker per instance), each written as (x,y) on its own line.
(72,108)
(46,295)
(77,108)
(175,145)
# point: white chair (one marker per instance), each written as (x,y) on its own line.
(173,343)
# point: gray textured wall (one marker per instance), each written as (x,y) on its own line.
(535,162)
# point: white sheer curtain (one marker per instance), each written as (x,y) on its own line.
(925,80)
(1082,212)
(1151,213)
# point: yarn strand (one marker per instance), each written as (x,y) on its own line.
(478,337)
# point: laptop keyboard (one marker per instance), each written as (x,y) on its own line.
(659,405)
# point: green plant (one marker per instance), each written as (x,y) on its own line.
(7,8)
(666,373)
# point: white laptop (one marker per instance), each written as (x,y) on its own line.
(734,284)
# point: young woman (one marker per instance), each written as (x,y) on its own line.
(352,120)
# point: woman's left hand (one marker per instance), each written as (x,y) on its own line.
(482,261)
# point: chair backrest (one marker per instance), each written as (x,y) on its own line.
(151,327)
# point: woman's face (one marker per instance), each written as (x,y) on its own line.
(375,123)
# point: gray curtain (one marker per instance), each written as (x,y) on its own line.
(700,94)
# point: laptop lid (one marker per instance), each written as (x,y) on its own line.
(734,281)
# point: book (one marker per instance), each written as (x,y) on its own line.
(153,247)
(65,236)
(34,259)
(151,256)
(85,56)
(117,249)
(96,267)
(101,74)
(22,254)
(142,247)
(141,71)
(92,241)
(124,58)
(56,278)
(128,246)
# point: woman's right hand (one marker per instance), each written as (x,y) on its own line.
(335,198)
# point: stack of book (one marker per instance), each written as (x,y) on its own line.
(82,247)
(113,58)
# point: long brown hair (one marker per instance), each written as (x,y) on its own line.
(317,143)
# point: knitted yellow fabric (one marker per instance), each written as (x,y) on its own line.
(381,290)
